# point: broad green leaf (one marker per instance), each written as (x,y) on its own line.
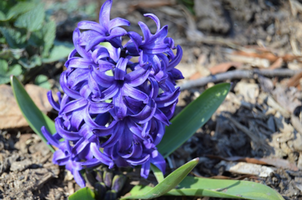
(19,8)
(191,118)
(170,182)
(42,81)
(34,61)
(6,72)
(35,118)
(2,16)
(83,194)
(3,66)
(14,38)
(58,52)
(11,53)
(49,34)
(31,20)
(236,189)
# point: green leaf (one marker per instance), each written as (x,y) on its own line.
(193,186)
(170,182)
(49,34)
(35,118)
(6,72)
(3,66)
(2,16)
(11,53)
(31,20)
(42,81)
(34,61)
(157,173)
(191,118)
(82,194)
(18,9)
(14,38)
(58,52)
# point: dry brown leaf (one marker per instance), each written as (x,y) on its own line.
(10,114)
(295,80)
(195,76)
(223,67)
(267,55)
(277,64)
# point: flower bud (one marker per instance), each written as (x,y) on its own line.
(118,182)
(100,190)
(110,195)
(107,177)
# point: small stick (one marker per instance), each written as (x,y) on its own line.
(238,74)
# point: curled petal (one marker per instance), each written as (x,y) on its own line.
(145,30)
(95,42)
(52,102)
(74,105)
(111,91)
(80,50)
(49,138)
(176,59)
(145,170)
(78,178)
(79,63)
(104,17)
(102,79)
(135,93)
(69,135)
(66,89)
(168,99)
(137,77)
(155,19)
(138,161)
(89,25)
(118,22)
(97,108)
(146,113)
(114,137)
(120,70)
(159,162)
(162,117)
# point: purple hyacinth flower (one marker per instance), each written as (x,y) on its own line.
(106,30)
(115,108)
(63,156)
(152,45)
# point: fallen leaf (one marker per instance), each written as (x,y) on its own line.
(277,64)
(295,80)
(10,114)
(223,67)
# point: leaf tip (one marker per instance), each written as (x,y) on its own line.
(196,160)
(11,78)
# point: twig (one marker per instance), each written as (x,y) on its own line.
(238,74)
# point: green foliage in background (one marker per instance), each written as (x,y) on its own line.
(27,38)
(189,4)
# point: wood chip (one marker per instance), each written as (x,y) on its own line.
(247,168)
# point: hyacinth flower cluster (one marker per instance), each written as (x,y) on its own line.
(118,97)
